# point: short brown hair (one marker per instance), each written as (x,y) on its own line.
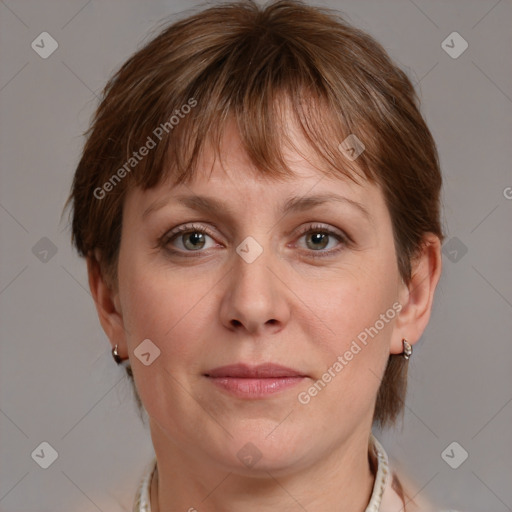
(240,61)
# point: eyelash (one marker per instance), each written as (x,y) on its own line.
(196,228)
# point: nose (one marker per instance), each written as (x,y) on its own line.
(255,298)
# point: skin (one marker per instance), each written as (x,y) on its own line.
(286,307)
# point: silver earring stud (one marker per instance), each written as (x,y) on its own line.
(116,356)
(407,349)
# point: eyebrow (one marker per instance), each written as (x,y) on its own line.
(294,204)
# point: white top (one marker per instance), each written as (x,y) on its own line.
(384,497)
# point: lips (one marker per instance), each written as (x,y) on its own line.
(262,371)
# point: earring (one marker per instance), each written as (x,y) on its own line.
(407,349)
(116,356)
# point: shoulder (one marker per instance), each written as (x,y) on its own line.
(403,492)
(398,492)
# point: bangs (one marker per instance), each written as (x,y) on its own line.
(276,101)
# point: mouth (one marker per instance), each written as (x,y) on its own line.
(261,371)
(253,382)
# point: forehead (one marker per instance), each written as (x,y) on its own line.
(229,164)
(230,175)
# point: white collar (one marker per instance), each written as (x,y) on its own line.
(382,493)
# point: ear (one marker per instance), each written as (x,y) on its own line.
(417,297)
(106,299)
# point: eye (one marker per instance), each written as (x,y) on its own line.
(188,238)
(318,238)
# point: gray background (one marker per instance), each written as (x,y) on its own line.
(59,383)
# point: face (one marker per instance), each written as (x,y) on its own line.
(272,276)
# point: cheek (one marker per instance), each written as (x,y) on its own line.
(357,308)
(170,311)
(158,303)
(358,296)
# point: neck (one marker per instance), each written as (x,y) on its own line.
(346,485)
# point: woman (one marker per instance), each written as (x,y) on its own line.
(258,204)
